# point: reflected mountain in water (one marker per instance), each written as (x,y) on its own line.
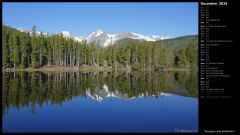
(28,89)
(101,94)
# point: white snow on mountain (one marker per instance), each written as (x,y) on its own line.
(107,42)
(66,34)
(104,39)
(156,37)
(147,38)
(98,37)
(99,94)
(95,34)
(22,30)
(80,39)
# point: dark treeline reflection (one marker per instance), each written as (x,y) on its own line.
(28,89)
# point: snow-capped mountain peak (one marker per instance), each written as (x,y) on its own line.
(104,39)
(96,33)
(101,93)
(111,35)
(80,39)
(99,32)
(155,36)
(66,34)
(100,37)
(147,38)
(22,30)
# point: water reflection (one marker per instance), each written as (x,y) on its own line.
(28,89)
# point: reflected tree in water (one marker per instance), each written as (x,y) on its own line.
(30,89)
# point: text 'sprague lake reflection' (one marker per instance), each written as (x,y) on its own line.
(100,102)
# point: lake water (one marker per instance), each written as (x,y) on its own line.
(100,102)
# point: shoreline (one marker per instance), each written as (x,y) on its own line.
(78,69)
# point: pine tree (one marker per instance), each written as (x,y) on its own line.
(162,57)
(34,43)
(109,56)
(91,55)
(42,49)
(15,56)
(101,57)
(5,48)
(182,61)
(61,49)
(156,57)
(191,53)
(114,56)
(169,58)
(142,56)
(10,44)
(23,46)
(79,54)
(149,55)
(49,50)
(128,54)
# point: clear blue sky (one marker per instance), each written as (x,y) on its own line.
(164,19)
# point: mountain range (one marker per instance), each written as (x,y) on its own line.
(104,39)
(100,94)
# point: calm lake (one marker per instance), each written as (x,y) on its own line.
(100,102)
